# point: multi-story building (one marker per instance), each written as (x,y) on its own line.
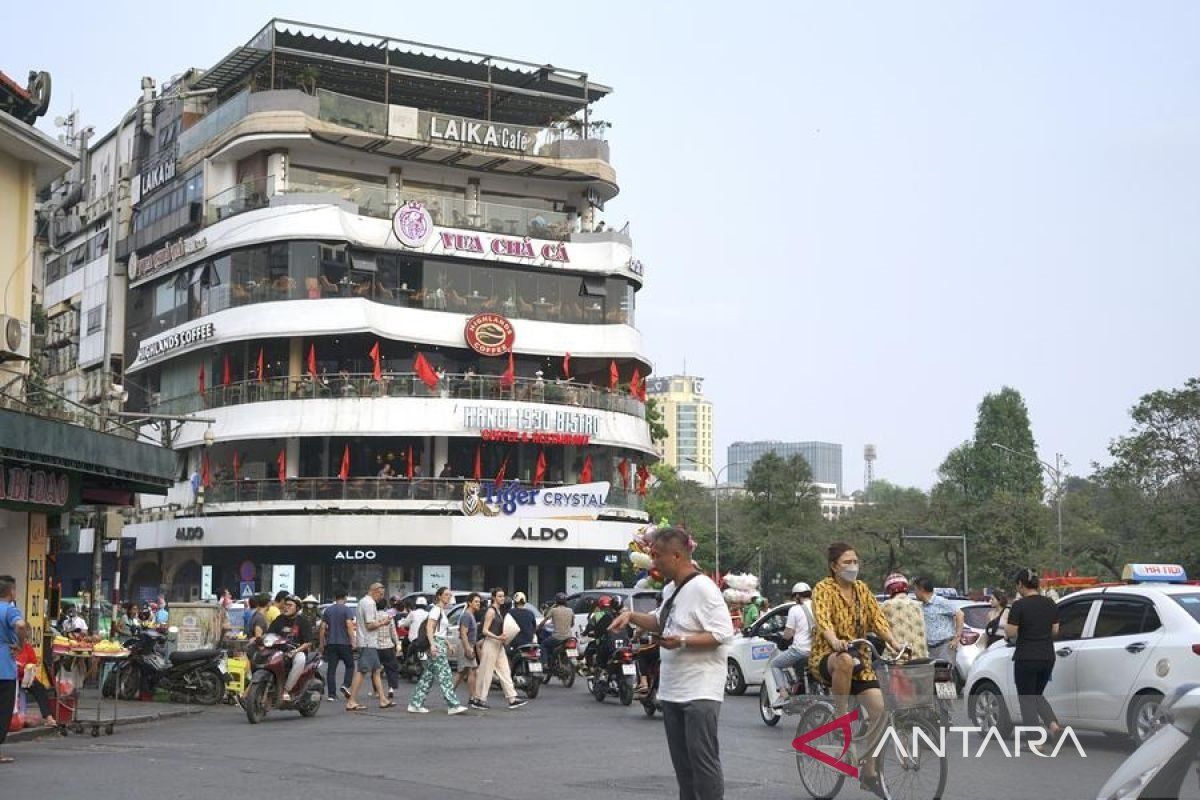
(833,503)
(374,276)
(824,458)
(688,418)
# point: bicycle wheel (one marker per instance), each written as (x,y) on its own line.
(821,781)
(909,768)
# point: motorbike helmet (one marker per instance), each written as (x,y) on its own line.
(604,602)
(800,587)
(422,602)
(311,601)
(560,598)
(895,584)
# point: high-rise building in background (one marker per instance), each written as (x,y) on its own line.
(824,458)
(688,417)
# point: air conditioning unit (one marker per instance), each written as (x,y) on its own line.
(15,338)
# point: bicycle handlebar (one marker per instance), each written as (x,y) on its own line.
(875,650)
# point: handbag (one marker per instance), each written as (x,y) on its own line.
(421,643)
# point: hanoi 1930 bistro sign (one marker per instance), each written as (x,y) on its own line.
(531,420)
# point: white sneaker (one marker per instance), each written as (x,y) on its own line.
(417,709)
(456,710)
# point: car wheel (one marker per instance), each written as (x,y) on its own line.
(986,709)
(735,682)
(1143,711)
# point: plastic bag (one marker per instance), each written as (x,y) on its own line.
(18,716)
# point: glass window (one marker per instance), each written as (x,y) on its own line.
(93,319)
(1125,616)
(1071,617)
(1189,603)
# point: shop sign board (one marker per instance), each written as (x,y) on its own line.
(434,576)
(581,501)
(35,581)
(574,580)
(522,418)
(24,487)
(206,573)
(169,342)
(283,578)
(199,624)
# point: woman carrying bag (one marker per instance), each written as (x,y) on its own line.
(436,636)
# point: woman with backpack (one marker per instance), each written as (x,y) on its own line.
(434,638)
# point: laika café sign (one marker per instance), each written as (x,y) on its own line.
(161,345)
(39,489)
(530,420)
(464,131)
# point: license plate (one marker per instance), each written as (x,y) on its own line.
(572,653)
(946,690)
(535,667)
(629,669)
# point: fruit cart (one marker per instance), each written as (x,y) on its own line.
(71,660)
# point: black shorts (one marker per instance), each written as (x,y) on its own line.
(856,686)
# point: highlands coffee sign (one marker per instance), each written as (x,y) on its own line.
(167,343)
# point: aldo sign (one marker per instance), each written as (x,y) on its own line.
(534,535)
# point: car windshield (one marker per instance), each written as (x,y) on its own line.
(1190,604)
(976,616)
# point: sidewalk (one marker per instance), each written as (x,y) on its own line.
(128,712)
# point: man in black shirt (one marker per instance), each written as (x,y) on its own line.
(1033,621)
(297,629)
(526,620)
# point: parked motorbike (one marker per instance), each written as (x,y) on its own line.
(412,666)
(525,664)
(1166,758)
(195,676)
(646,653)
(271,666)
(617,676)
(564,663)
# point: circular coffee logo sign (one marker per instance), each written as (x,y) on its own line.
(412,224)
(490,334)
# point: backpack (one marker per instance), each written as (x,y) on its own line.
(421,643)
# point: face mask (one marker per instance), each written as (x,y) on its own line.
(849,574)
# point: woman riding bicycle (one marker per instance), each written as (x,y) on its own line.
(845,609)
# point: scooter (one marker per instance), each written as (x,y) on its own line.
(1166,759)
(271,667)
(617,677)
(194,676)
(563,664)
(412,666)
(802,689)
(525,664)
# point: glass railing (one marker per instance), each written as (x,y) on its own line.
(498,218)
(266,490)
(406,384)
(352,112)
(371,199)
(245,196)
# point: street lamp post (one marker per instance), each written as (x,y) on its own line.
(1056,474)
(962,538)
(716,477)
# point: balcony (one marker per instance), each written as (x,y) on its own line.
(457,386)
(331,490)
(498,218)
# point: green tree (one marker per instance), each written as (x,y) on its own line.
(654,418)
(978,469)
(876,530)
(682,502)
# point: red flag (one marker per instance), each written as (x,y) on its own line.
(312,361)
(539,473)
(425,372)
(377,372)
(262,372)
(614,376)
(500,474)
(585,474)
(282,463)
(344,472)
(237,467)
(634,382)
(410,463)
(200,378)
(226,378)
(643,477)
(567,365)
(205,471)
(510,375)
(623,468)
(478,462)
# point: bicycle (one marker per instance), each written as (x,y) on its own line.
(908,768)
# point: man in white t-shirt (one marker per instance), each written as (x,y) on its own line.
(694,630)
(797,629)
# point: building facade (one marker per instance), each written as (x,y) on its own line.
(688,418)
(375,279)
(824,458)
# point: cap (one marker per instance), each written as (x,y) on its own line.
(421,601)
(801,586)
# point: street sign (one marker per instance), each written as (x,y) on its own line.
(247,589)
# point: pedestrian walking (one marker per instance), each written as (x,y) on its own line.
(368,624)
(13,634)
(468,633)
(437,666)
(493,657)
(1033,622)
(694,630)
(337,643)
(943,622)
(387,655)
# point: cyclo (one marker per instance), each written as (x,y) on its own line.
(908,767)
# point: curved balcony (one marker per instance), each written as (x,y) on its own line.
(406,384)
(333,490)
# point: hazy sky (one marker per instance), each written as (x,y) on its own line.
(856,218)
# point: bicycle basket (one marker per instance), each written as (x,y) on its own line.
(908,685)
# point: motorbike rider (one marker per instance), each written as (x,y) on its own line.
(560,620)
(525,619)
(797,631)
(295,627)
(600,649)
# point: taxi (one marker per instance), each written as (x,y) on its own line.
(1121,648)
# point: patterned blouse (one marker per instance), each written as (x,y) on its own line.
(847,620)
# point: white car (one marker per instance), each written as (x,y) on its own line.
(1120,650)
(750,654)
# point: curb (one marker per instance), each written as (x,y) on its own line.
(31,734)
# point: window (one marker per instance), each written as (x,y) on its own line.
(1190,603)
(1071,617)
(1125,616)
(94,318)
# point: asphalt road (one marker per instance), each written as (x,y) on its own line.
(562,745)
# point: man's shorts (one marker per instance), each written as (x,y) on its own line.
(856,686)
(468,660)
(368,660)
